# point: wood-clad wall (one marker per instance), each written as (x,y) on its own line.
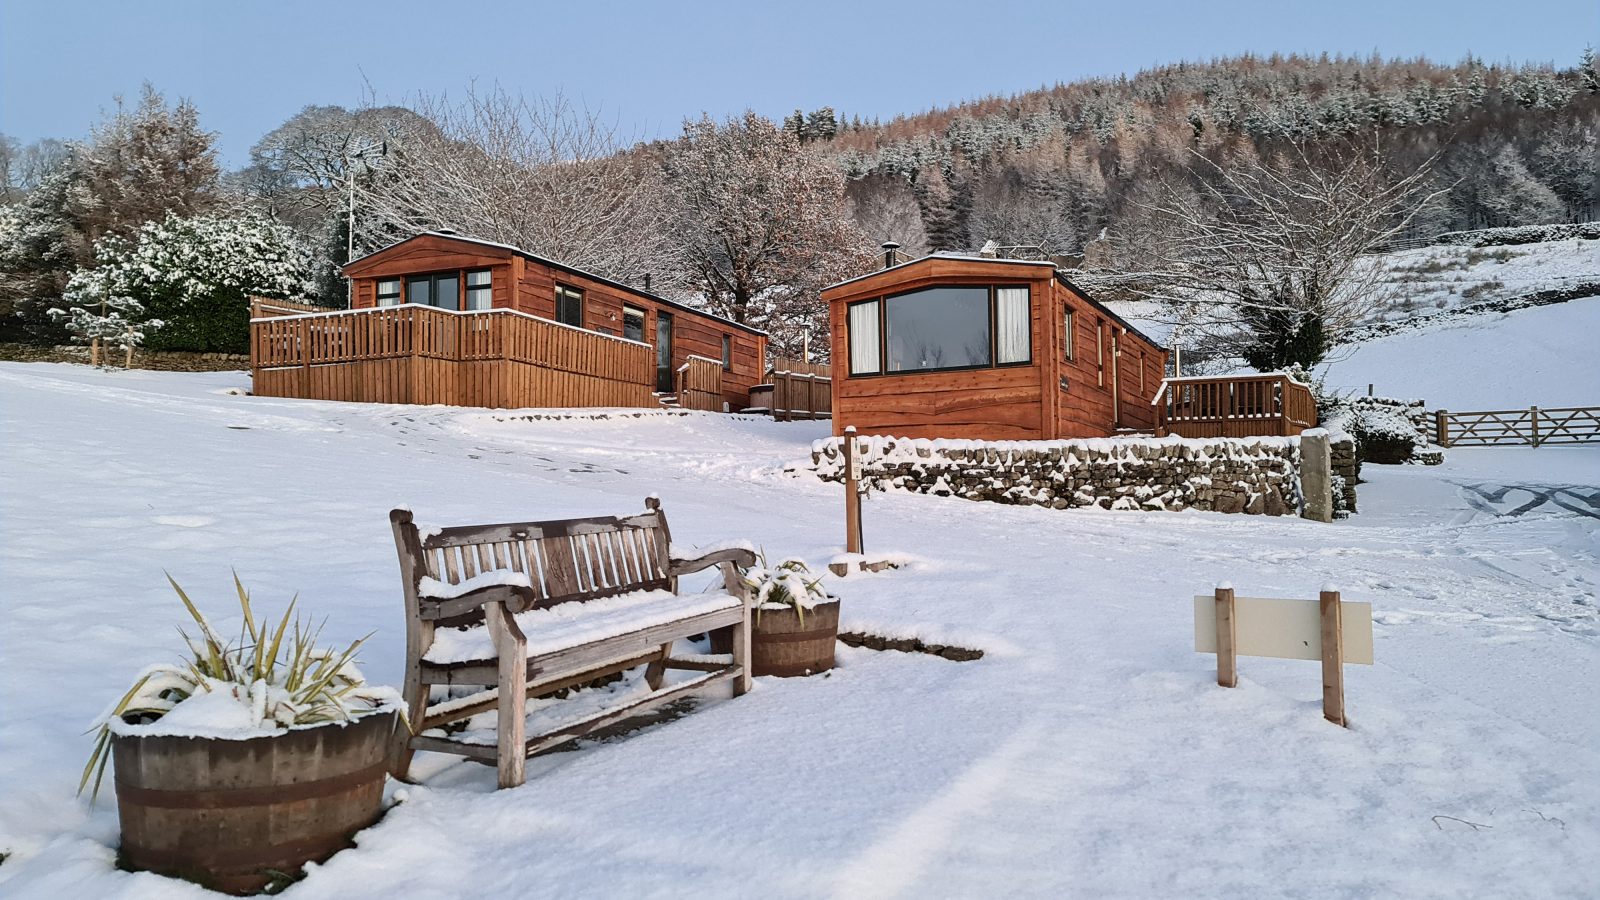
(1022,402)
(529,286)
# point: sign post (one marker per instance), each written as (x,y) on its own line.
(1227,639)
(852,492)
(1332,657)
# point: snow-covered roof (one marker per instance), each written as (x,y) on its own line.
(555,264)
(965,257)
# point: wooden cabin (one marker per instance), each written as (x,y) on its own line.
(987,349)
(454,273)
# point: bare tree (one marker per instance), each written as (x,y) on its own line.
(886,209)
(541,175)
(1264,257)
(763,225)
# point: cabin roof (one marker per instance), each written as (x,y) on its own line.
(554,264)
(965,257)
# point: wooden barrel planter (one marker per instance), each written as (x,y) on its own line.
(239,815)
(781,644)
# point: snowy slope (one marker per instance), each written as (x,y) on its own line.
(1088,754)
(1543,356)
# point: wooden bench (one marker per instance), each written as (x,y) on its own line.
(531,608)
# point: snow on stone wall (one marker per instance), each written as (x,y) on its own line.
(1249,475)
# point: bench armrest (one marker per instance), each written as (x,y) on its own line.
(516,598)
(735,555)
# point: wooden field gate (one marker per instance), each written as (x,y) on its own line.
(1532,427)
(801,390)
(700,384)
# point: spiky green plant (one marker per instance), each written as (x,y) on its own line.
(278,670)
(789,583)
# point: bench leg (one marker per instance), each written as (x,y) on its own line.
(416,696)
(511,648)
(741,630)
(656,671)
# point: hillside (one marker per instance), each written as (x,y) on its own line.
(1053,167)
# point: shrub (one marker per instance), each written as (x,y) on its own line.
(197,275)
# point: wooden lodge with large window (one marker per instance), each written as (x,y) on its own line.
(988,349)
(440,318)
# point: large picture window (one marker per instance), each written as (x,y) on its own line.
(937,328)
(940,328)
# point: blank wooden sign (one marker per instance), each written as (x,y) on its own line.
(1285,629)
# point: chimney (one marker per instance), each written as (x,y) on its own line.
(647,281)
(889,248)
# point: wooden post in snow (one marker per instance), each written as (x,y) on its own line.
(1227,639)
(1441,427)
(852,492)
(1332,658)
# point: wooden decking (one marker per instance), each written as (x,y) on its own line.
(418,354)
(1235,406)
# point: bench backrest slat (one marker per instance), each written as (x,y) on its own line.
(566,560)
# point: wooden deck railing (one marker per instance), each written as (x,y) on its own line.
(1236,406)
(700,384)
(265,307)
(1532,426)
(417,354)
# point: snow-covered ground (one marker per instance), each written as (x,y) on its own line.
(1429,280)
(1089,753)
(1541,356)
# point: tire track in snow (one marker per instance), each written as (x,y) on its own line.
(897,860)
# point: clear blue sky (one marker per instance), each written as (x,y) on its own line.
(647,66)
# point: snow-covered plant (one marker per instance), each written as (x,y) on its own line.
(198,274)
(104,318)
(269,677)
(789,583)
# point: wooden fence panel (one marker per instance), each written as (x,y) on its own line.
(1506,427)
(417,354)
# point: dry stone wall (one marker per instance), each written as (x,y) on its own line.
(1236,475)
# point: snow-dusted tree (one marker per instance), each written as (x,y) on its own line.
(145,163)
(197,275)
(1264,257)
(885,209)
(763,225)
(97,318)
(1493,188)
(539,174)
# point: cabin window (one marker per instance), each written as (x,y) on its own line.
(727,353)
(1012,328)
(633,323)
(937,328)
(480,292)
(569,305)
(388,291)
(865,336)
(1067,335)
(941,328)
(441,289)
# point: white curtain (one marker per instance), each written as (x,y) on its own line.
(865,345)
(1012,333)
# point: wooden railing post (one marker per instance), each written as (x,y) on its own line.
(852,492)
(1533,420)
(1441,427)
